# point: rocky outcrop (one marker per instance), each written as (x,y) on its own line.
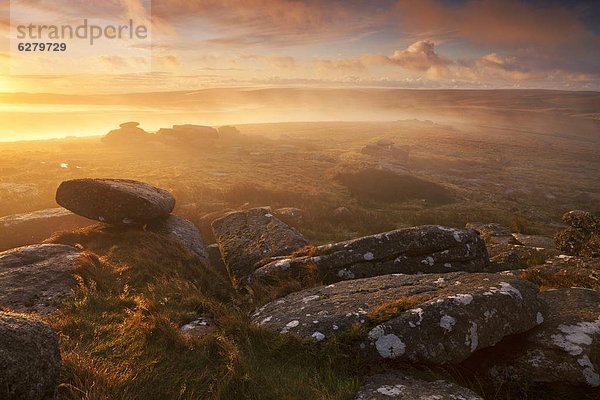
(188,134)
(183,232)
(229,131)
(128,134)
(432,318)
(246,237)
(581,220)
(37,278)
(564,349)
(29,358)
(582,237)
(115,201)
(30,228)
(395,385)
(425,249)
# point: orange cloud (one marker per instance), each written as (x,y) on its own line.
(276,22)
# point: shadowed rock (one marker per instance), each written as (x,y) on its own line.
(115,201)
(434,318)
(184,232)
(426,249)
(246,237)
(30,228)
(533,241)
(394,385)
(29,358)
(565,348)
(528,255)
(37,278)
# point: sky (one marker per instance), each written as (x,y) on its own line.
(310,43)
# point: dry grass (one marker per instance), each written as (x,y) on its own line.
(388,310)
(120,335)
(556,278)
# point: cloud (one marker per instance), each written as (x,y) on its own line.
(340,66)
(169,60)
(272,22)
(118,62)
(420,56)
(506,22)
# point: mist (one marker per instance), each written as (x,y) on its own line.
(42,116)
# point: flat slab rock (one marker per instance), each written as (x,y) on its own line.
(246,237)
(184,232)
(30,228)
(425,249)
(29,358)
(450,316)
(115,201)
(394,385)
(566,347)
(37,278)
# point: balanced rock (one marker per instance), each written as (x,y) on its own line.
(425,249)
(128,134)
(29,358)
(115,201)
(246,237)
(565,348)
(30,228)
(432,318)
(183,232)
(37,278)
(395,385)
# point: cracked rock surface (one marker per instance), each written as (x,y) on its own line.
(246,237)
(435,318)
(426,249)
